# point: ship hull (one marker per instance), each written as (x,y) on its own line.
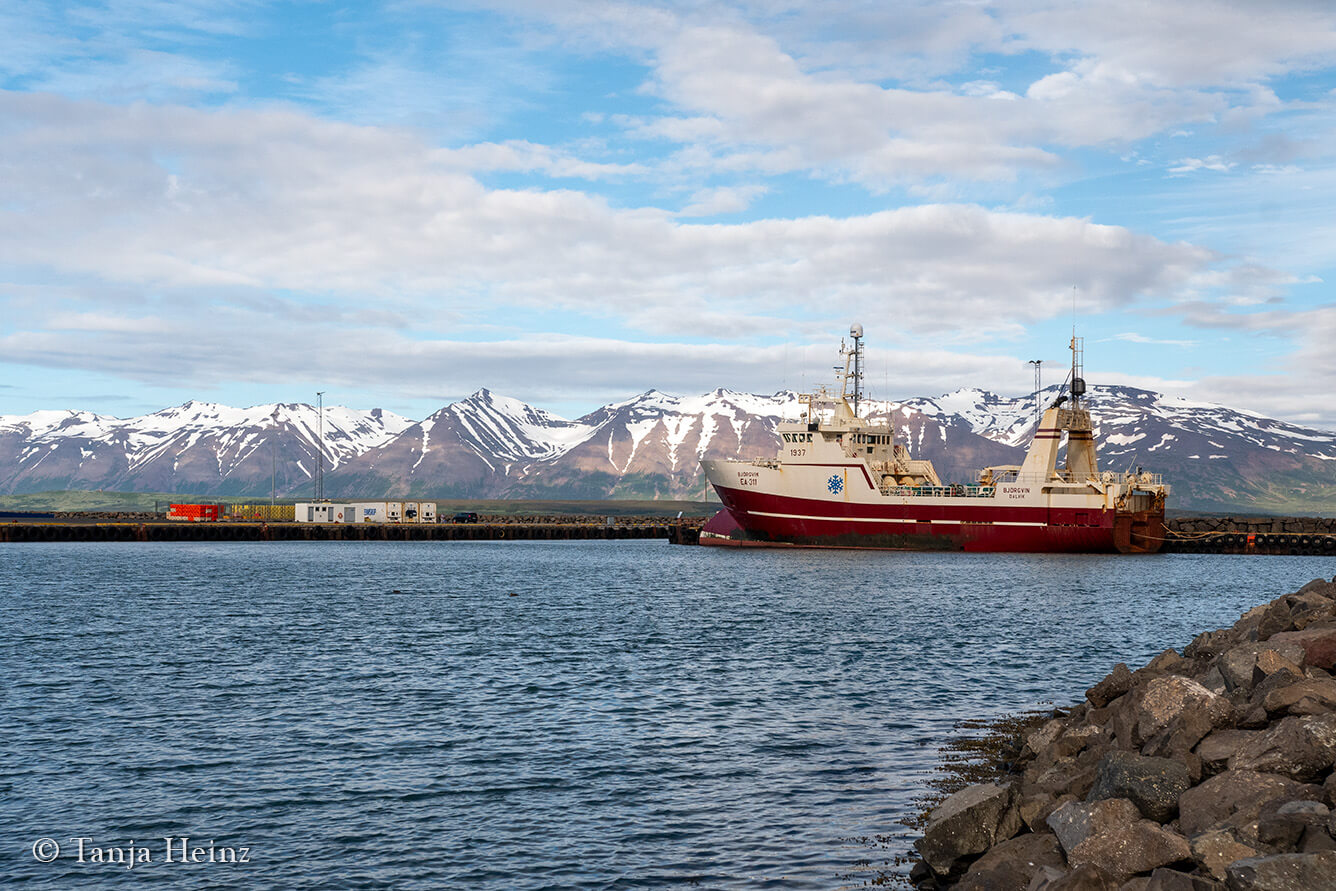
(757,518)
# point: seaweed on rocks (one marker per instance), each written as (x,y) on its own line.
(1206,769)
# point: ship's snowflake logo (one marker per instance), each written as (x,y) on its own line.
(835,484)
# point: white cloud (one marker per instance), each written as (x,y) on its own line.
(340,235)
(1211,162)
(721,200)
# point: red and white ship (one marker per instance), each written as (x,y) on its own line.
(840,480)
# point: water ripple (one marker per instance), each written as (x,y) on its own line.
(368,715)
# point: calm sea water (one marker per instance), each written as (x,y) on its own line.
(636,715)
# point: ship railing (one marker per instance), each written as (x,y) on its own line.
(1065,476)
(954,491)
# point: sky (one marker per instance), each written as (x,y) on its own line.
(571,203)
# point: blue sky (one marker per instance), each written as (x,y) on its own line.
(571,203)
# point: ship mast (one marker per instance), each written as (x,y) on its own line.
(854,355)
(1077,347)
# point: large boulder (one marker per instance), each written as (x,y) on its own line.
(1118,682)
(1282,825)
(1126,850)
(963,825)
(1152,784)
(1284,872)
(1216,849)
(1012,864)
(1165,879)
(1311,696)
(1084,878)
(1176,712)
(1301,748)
(1233,796)
(1238,664)
(1318,641)
(1039,740)
(1216,749)
(1076,821)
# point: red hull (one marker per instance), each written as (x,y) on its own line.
(764,519)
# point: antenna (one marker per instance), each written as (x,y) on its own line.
(1078,362)
(856,332)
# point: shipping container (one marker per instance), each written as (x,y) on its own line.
(194,513)
(324,512)
(273,513)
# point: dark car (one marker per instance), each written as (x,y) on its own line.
(467,517)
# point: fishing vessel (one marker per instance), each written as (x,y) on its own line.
(842,480)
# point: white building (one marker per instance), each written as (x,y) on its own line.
(366,512)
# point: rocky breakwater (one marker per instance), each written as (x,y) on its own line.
(1206,769)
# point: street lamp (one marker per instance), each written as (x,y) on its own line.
(320,450)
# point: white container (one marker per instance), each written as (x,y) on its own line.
(323,512)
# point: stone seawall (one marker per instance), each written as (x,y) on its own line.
(1206,770)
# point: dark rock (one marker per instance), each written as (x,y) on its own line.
(1039,740)
(1238,664)
(1169,661)
(1124,851)
(1118,682)
(1087,877)
(1315,839)
(1212,643)
(1275,620)
(1235,795)
(1216,749)
(1319,643)
(962,826)
(1284,872)
(1271,661)
(1168,699)
(1304,697)
(1320,588)
(1277,680)
(920,873)
(1214,681)
(1215,849)
(1282,824)
(1301,748)
(1164,879)
(1247,624)
(1076,821)
(1254,718)
(1010,865)
(1072,776)
(1035,807)
(1152,784)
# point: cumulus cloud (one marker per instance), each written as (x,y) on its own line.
(278,200)
(859,91)
(270,227)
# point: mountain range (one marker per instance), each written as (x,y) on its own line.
(491,446)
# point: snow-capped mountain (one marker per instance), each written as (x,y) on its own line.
(196,447)
(492,446)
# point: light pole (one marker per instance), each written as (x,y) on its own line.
(320,450)
(273,463)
